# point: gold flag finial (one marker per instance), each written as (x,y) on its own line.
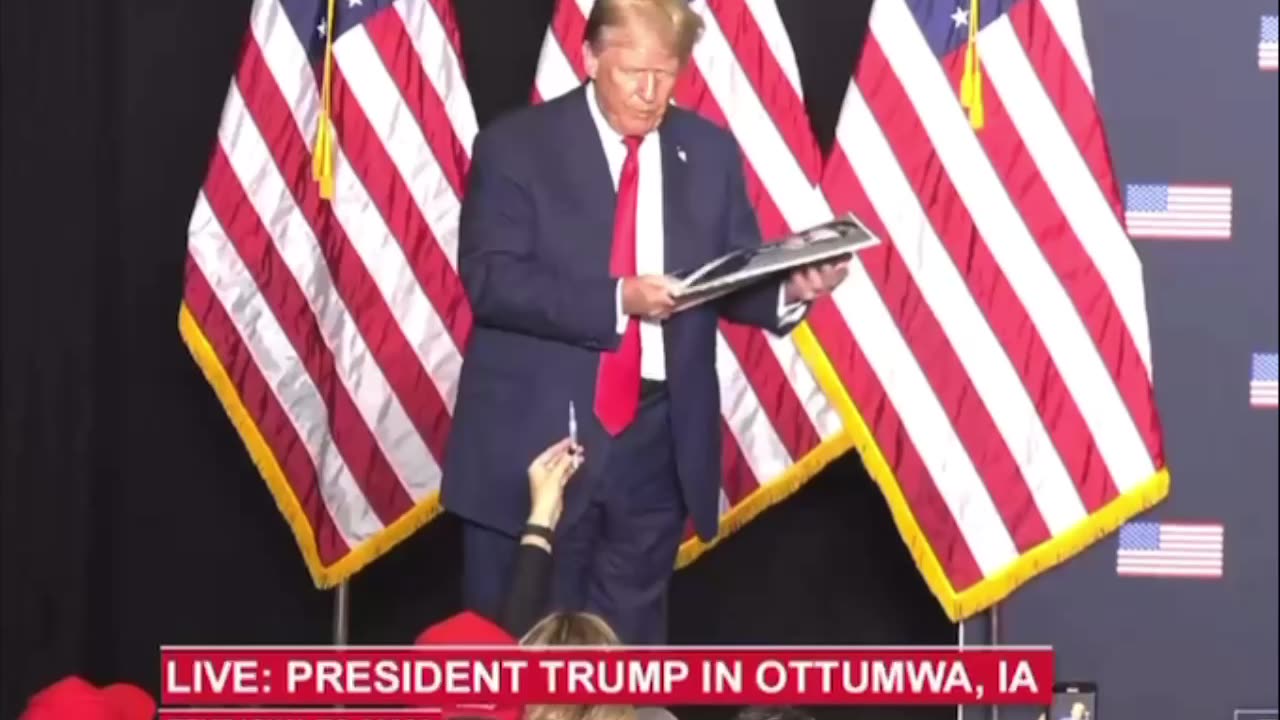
(971,80)
(322,154)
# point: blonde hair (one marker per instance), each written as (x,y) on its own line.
(571,628)
(674,20)
(579,712)
(581,629)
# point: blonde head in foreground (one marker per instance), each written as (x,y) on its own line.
(577,629)
(570,628)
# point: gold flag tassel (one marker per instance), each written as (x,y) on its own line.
(971,80)
(322,154)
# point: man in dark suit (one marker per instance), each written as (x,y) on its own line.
(575,212)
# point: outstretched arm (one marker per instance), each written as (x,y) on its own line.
(527,596)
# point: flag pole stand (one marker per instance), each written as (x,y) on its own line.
(341,617)
(960,646)
(993,616)
(341,614)
(993,634)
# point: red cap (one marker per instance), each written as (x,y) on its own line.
(71,698)
(468,628)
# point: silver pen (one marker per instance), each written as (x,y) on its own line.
(573,425)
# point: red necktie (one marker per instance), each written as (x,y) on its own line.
(618,382)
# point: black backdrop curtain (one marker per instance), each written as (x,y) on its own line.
(131,515)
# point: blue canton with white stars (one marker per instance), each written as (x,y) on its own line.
(1266,367)
(310,19)
(1146,198)
(1140,536)
(945,23)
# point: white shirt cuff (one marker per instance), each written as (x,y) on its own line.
(622,317)
(788,314)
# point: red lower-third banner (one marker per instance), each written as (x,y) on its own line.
(320,714)
(449,677)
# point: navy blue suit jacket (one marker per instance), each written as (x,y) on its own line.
(533,253)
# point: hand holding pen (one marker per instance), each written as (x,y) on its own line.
(548,474)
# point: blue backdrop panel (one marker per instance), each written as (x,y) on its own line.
(1190,99)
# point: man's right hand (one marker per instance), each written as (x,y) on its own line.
(648,296)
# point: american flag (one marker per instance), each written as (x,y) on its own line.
(1154,549)
(992,365)
(996,354)
(1267,37)
(331,330)
(1263,376)
(1182,212)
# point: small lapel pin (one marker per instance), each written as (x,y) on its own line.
(680,154)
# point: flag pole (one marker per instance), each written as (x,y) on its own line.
(341,614)
(960,646)
(993,615)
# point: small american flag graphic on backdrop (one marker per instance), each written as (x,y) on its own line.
(1255,714)
(1263,377)
(1167,549)
(1178,212)
(1267,42)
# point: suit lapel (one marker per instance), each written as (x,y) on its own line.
(677,246)
(588,176)
(675,196)
(590,179)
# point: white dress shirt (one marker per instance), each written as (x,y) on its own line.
(649,234)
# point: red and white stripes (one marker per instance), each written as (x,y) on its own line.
(341,323)
(1009,384)
(994,352)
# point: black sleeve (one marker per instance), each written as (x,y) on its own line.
(526,599)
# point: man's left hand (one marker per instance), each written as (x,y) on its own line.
(814,281)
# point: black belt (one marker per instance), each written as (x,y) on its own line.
(652,389)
